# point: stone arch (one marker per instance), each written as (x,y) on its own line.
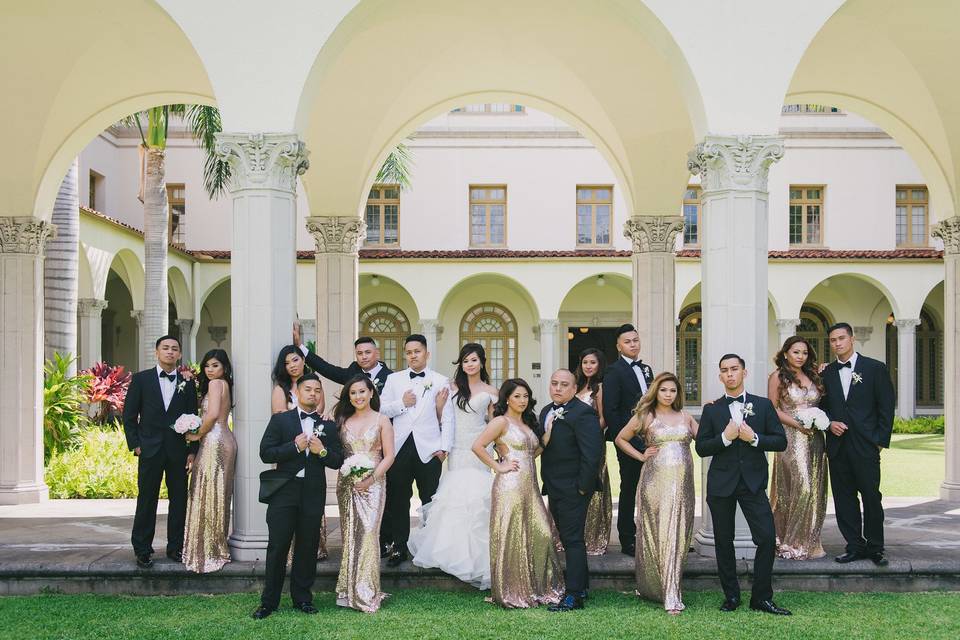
(128,266)
(180,292)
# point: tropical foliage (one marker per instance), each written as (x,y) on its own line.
(107,390)
(925,424)
(397,168)
(64,414)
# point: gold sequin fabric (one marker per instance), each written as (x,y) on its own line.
(596,533)
(205,546)
(665,506)
(358,585)
(525,569)
(798,489)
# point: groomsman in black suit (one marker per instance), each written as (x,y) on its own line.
(624,383)
(155,399)
(859,401)
(367,361)
(736,430)
(302,445)
(572,453)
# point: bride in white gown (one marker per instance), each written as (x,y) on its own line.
(454,532)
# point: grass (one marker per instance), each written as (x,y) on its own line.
(422,614)
(912,466)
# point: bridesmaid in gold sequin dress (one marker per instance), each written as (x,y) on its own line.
(665,494)
(525,569)
(363,431)
(589,374)
(798,488)
(211,481)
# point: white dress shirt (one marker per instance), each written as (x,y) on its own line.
(637,371)
(846,374)
(306,425)
(421,418)
(167,386)
(736,414)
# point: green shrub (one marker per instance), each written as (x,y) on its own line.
(925,424)
(99,466)
(64,415)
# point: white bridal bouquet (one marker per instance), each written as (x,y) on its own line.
(356,466)
(187,423)
(813,418)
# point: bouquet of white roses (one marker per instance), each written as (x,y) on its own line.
(187,423)
(813,418)
(356,466)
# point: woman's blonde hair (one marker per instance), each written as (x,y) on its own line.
(648,403)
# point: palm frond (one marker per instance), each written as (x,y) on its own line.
(397,168)
(204,122)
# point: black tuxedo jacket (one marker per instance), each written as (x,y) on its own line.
(621,392)
(277,447)
(148,425)
(571,461)
(340,375)
(867,411)
(740,459)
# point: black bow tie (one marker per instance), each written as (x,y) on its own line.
(845,365)
(742,399)
(304,415)
(172,377)
(422,374)
(638,363)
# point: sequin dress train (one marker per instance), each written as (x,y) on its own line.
(596,533)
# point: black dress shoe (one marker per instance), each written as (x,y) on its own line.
(769,606)
(306,607)
(730,604)
(386,550)
(144,561)
(176,556)
(629,549)
(398,556)
(848,556)
(878,559)
(569,603)
(262,612)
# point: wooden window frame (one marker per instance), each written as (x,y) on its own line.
(381,203)
(698,202)
(690,315)
(394,313)
(468,333)
(909,203)
(805,202)
(171,202)
(487,203)
(592,203)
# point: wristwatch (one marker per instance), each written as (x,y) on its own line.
(323,453)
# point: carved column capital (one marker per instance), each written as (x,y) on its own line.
(653,233)
(548,326)
(263,160)
(91,307)
(337,234)
(431,326)
(906,325)
(735,162)
(137,315)
(185,324)
(787,325)
(24,234)
(859,333)
(948,230)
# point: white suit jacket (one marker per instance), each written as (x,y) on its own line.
(421,418)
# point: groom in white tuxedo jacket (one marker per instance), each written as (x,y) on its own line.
(410,399)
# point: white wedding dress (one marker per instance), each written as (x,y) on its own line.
(454,532)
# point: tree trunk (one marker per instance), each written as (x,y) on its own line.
(155,303)
(60,272)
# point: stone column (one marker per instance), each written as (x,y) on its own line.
(906,366)
(337,241)
(733,268)
(137,315)
(90,343)
(654,285)
(548,357)
(263,182)
(431,330)
(787,328)
(22,242)
(949,232)
(188,346)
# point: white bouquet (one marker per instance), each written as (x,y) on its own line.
(356,466)
(187,423)
(813,418)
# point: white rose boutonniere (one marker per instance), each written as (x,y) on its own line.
(426,387)
(318,430)
(559,413)
(181,386)
(856,378)
(747,410)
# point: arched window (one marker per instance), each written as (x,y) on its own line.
(689,344)
(388,325)
(495,328)
(813,327)
(929,362)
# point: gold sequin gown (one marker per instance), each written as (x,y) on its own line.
(358,585)
(525,569)
(798,489)
(665,506)
(205,546)
(596,534)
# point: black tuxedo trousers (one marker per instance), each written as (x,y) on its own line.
(406,469)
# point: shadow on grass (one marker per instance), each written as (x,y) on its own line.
(926,443)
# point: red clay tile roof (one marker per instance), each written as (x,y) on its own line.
(846,254)
(123,225)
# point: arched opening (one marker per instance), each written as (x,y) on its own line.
(214,332)
(814,322)
(388,325)
(119,328)
(689,350)
(494,327)
(590,314)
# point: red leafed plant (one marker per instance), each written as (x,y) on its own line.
(108,389)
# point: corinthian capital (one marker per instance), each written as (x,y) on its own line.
(337,234)
(735,162)
(24,234)
(653,233)
(263,160)
(948,230)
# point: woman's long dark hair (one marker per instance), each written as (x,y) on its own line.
(460,378)
(344,408)
(529,417)
(204,382)
(809,368)
(594,381)
(280,376)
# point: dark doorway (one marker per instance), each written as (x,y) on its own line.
(580,338)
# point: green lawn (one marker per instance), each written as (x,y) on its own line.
(425,614)
(912,466)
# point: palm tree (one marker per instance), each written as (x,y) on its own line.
(60,274)
(397,168)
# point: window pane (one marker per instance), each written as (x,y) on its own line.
(391,194)
(919,222)
(901,224)
(373,223)
(478,224)
(919,195)
(374,194)
(476,194)
(813,224)
(584,221)
(602,194)
(495,194)
(813,194)
(603,223)
(583,194)
(690,194)
(901,194)
(391,220)
(796,194)
(496,224)
(796,224)
(690,230)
